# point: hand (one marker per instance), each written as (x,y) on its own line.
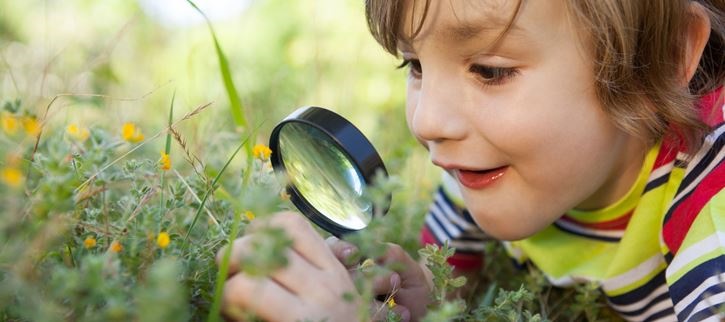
(410,284)
(311,287)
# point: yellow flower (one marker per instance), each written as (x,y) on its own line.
(89,243)
(163,240)
(116,247)
(9,123)
(250,215)
(165,162)
(31,125)
(367,265)
(77,132)
(261,151)
(12,176)
(72,129)
(131,133)
(391,303)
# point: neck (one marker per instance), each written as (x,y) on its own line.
(621,177)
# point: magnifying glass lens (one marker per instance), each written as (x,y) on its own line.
(324,175)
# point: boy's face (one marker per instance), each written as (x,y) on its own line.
(517,123)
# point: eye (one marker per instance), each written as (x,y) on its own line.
(493,75)
(416,70)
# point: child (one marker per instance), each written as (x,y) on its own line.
(589,133)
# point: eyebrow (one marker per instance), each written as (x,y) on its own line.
(466,31)
(462,32)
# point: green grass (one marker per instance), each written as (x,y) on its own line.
(102,187)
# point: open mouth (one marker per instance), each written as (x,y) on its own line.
(479,179)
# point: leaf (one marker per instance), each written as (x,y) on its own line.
(458,281)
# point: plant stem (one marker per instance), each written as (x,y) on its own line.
(223,271)
(210,190)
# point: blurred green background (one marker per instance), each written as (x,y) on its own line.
(96,66)
(282,54)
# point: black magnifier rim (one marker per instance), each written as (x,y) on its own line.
(349,140)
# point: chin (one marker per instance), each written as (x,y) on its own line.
(507,230)
(510,235)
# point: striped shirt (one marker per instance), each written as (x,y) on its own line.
(658,253)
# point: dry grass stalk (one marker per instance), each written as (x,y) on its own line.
(192,159)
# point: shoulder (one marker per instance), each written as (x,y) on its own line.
(700,189)
(693,232)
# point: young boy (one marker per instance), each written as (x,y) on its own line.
(587,132)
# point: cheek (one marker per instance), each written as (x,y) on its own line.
(409,110)
(556,138)
(411,102)
(568,141)
(553,114)
(569,163)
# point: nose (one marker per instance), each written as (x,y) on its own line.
(436,113)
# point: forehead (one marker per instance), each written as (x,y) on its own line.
(454,19)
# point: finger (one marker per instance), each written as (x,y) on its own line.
(388,283)
(345,252)
(413,281)
(299,276)
(398,260)
(288,276)
(305,240)
(240,247)
(262,296)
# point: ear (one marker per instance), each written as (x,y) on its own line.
(696,36)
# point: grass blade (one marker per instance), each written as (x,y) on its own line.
(210,190)
(167,151)
(171,120)
(235,103)
(222,273)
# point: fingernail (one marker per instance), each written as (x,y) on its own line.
(346,252)
(395,280)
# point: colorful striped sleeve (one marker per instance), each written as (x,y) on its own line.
(448,221)
(693,236)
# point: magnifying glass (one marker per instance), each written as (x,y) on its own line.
(329,167)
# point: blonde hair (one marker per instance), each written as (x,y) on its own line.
(638,47)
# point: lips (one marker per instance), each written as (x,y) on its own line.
(480,179)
